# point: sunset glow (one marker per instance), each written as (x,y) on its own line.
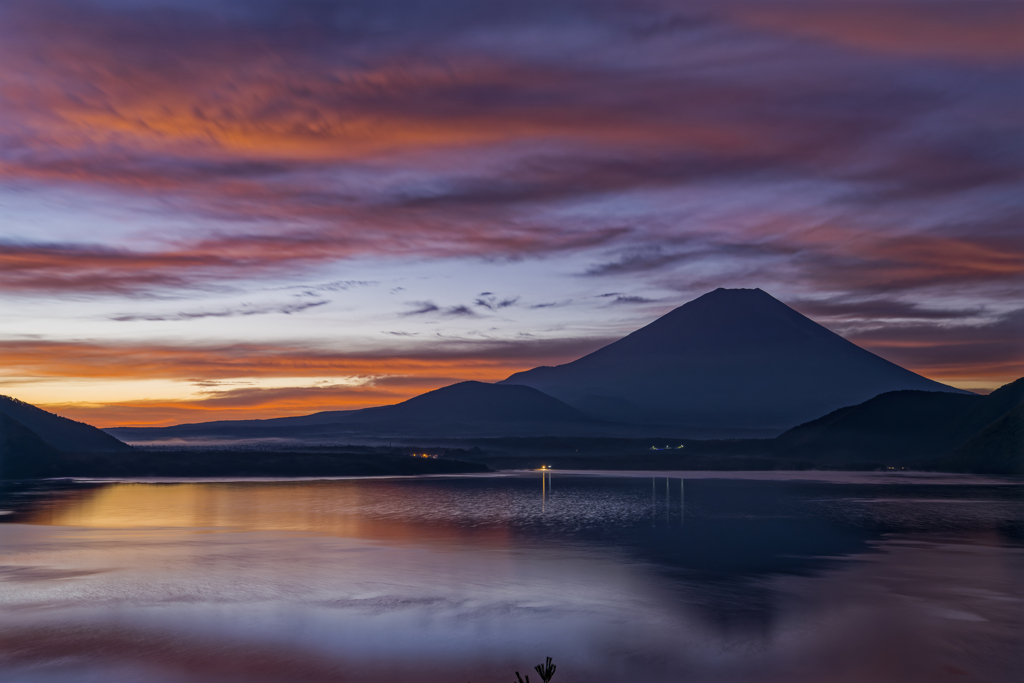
(216,210)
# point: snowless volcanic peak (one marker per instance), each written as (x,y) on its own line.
(734,360)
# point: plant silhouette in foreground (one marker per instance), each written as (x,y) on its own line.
(545,670)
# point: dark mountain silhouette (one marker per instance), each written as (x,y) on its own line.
(463,409)
(734,361)
(477,402)
(30,451)
(59,432)
(33,442)
(23,453)
(996,449)
(907,425)
(955,431)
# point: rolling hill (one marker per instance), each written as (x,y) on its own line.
(463,409)
(966,433)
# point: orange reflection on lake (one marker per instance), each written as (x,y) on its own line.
(469,578)
(344,508)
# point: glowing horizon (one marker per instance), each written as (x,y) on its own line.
(229,209)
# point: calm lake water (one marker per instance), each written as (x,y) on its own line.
(618,577)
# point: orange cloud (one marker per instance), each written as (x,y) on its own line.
(290,139)
(466,360)
(83,89)
(387,376)
(252,404)
(972,32)
(921,260)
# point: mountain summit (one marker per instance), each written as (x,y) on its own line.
(732,362)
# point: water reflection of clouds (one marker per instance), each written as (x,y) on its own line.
(436,579)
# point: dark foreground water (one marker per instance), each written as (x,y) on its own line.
(680,577)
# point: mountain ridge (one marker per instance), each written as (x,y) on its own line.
(59,432)
(465,407)
(33,441)
(732,358)
(959,432)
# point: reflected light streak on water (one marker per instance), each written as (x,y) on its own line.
(471,578)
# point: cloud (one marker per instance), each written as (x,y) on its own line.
(88,268)
(245,403)
(849,309)
(243,310)
(493,303)
(387,375)
(452,357)
(992,351)
(429,307)
(236,404)
(631,300)
(825,148)
(635,261)
(286,117)
(216,383)
(422,308)
(84,269)
(459,311)
(883,264)
(985,32)
(334,286)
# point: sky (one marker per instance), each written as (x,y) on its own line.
(219,209)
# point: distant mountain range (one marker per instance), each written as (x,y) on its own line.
(466,409)
(35,444)
(732,364)
(916,429)
(736,361)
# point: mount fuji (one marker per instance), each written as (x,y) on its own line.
(734,361)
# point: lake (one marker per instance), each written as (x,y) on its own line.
(641,577)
